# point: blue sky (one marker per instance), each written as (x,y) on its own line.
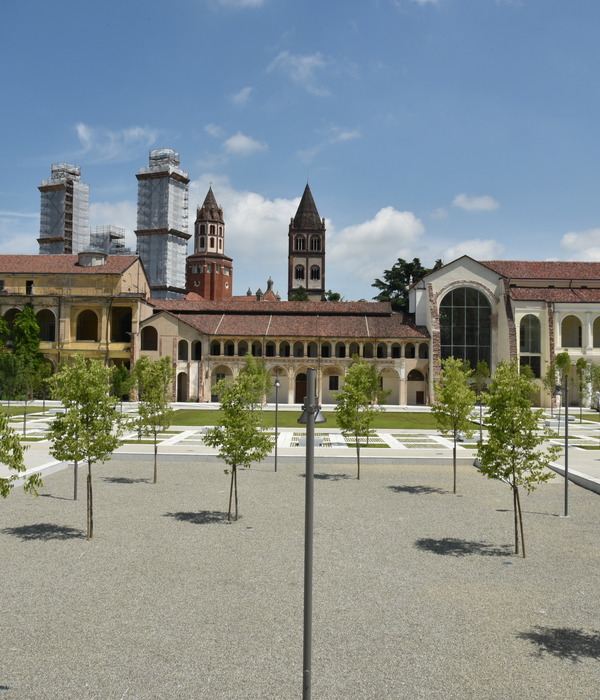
(426,128)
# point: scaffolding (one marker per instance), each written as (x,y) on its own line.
(109,240)
(64,212)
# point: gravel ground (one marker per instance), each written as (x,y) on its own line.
(417,592)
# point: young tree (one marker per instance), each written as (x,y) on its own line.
(238,434)
(33,370)
(514,452)
(358,402)
(549,384)
(255,368)
(12,455)
(10,379)
(89,429)
(454,401)
(122,382)
(154,379)
(584,378)
(395,283)
(563,367)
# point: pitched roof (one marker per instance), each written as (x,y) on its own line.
(62,264)
(250,305)
(307,217)
(210,209)
(555,294)
(544,270)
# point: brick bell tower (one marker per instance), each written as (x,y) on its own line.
(306,254)
(209,272)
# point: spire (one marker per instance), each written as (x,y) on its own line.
(210,209)
(307,217)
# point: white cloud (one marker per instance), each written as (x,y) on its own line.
(333,135)
(302,69)
(584,245)
(241,145)
(469,203)
(214,130)
(361,252)
(104,145)
(241,97)
(439,213)
(477,248)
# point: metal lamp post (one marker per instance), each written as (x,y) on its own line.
(277,385)
(559,391)
(310,415)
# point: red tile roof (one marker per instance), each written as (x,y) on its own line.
(546,270)
(250,305)
(556,295)
(61,264)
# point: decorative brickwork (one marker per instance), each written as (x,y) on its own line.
(512,329)
(436,342)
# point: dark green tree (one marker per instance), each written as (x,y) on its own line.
(122,382)
(300,295)
(396,282)
(33,369)
(332,296)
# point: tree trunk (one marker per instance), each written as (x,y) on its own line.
(520,521)
(236,495)
(358,456)
(230,493)
(75,480)
(454,463)
(155,458)
(515,513)
(25,419)
(90,506)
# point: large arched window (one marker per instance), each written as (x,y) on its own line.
(300,243)
(182,350)
(571,332)
(47,324)
(315,243)
(529,334)
(315,273)
(149,338)
(466,326)
(299,272)
(87,326)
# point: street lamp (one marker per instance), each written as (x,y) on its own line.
(559,391)
(277,385)
(311,414)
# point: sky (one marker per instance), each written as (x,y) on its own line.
(425,128)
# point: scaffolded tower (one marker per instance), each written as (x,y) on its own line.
(64,212)
(109,240)
(162,223)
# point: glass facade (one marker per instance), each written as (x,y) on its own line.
(466,326)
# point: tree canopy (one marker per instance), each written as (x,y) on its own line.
(12,454)
(396,282)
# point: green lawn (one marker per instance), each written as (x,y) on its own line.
(289,419)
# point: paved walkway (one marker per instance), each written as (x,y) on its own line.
(398,446)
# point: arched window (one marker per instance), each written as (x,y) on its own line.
(415,376)
(312,350)
(47,323)
(315,273)
(9,317)
(212,229)
(197,350)
(300,243)
(381,351)
(298,349)
(211,243)
(396,351)
(202,229)
(299,273)
(368,351)
(229,348)
(284,349)
(326,350)
(409,351)
(149,338)
(354,349)
(87,326)
(215,347)
(315,243)
(270,349)
(529,334)
(423,351)
(182,350)
(571,332)
(242,348)
(466,326)
(596,332)
(202,242)
(257,348)
(120,324)
(340,350)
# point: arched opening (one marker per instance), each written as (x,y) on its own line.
(215,347)
(9,317)
(182,350)
(298,349)
(415,388)
(300,243)
(354,349)
(423,351)
(326,350)
(284,349)
(87,326)
(312,350)
(396,351)
(220,372)
(257,348)
(596,332)
(300,388)
(282,394)
(315,243)
(315,273)
(270,349)
(571,334)
(466,326)
(229,348)
(197,350)
(409,351)
(149,340)
(332,382)
(299,272)
(382,351)
(340,350)
(530,344)
(47,323)
(182,386)
(390,384)
(368,351)
(120,324)
(242,348)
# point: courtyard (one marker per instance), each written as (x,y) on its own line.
(417,592)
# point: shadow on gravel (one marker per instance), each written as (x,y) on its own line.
(461,548)
(416,490)
(59,498)
(44,531)
(564,642)
(124,480)
(329,477)
(200,517)
(529,512)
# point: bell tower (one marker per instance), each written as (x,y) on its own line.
(209,272)
(306,256)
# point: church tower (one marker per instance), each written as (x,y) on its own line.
(306,256)
(209,272)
